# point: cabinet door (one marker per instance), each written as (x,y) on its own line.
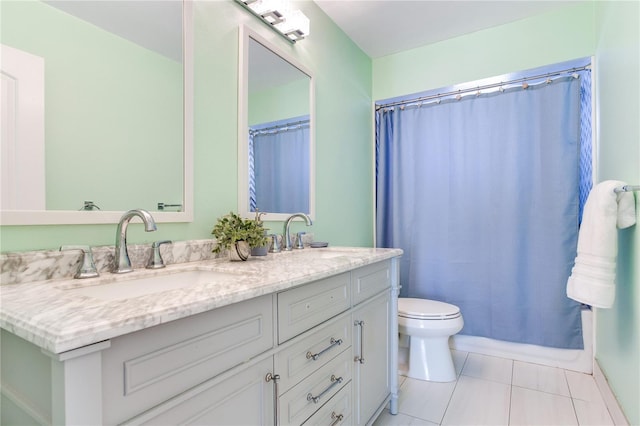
(151,366)
(371,346)
(242,399)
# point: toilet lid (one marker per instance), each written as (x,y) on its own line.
(426,309)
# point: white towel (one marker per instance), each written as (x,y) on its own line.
(592,279)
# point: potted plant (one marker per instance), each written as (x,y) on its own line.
(239,235)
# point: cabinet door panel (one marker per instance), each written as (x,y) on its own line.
(145,368)
(243,399)
(372,378)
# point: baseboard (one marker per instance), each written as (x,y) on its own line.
(619,419)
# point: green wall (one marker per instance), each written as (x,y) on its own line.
(279,103)
(343,135)
(104,96)
(608,30)
(617,29)
(524,44)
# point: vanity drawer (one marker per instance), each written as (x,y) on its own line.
(370,280)
(337,411)
(303,358)
(304,307)
(297,405)
(144,368)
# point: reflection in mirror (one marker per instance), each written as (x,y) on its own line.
(279,166)
(276,170)
(109,127)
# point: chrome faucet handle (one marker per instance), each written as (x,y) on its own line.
(287,223)
(87,267)
(299,242)
(155,260)
(122,261)
(274,247)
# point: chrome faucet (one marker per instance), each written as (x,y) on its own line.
(287,235)
(123,263)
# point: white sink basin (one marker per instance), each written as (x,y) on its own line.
(129,288)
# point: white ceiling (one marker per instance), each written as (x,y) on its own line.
(153,24)
(384,27)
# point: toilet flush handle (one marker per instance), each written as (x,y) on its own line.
(360,358)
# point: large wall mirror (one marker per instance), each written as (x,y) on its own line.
(106,123)
(275,131)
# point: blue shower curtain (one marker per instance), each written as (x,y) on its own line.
(482,196)
(277,158)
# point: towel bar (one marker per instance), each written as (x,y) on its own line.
(627,188)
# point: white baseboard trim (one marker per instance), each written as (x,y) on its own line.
(619,419)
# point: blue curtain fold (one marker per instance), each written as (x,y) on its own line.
(482,196)
(276,160)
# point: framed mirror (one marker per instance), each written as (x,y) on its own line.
(276,137)
(107,125)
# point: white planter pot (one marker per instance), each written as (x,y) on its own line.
(239,251)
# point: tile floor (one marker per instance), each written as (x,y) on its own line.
(498,391)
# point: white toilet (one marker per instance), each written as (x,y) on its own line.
(429,324)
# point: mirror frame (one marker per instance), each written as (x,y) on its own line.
(70,217)
(243,125)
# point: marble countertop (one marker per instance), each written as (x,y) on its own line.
(56,317)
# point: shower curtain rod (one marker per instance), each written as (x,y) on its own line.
(627,188)
(282,126)
(484,87)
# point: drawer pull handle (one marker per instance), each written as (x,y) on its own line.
(316,356)
(360,358)
(337,418)
(334,381)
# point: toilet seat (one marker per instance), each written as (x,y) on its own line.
(424,309)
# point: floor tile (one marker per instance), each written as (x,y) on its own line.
(478,402)
(488,368)
(497,391)
(540,377)
(425,400)
(387,419)
(420,422)
(459,358)
(592,413)
(531,407)
(583,386)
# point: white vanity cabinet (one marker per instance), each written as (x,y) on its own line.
(373,317)
(317,353)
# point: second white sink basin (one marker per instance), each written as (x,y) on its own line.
(129,288)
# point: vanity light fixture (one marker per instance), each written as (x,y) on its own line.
(292,24)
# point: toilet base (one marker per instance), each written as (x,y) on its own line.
(430,359)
